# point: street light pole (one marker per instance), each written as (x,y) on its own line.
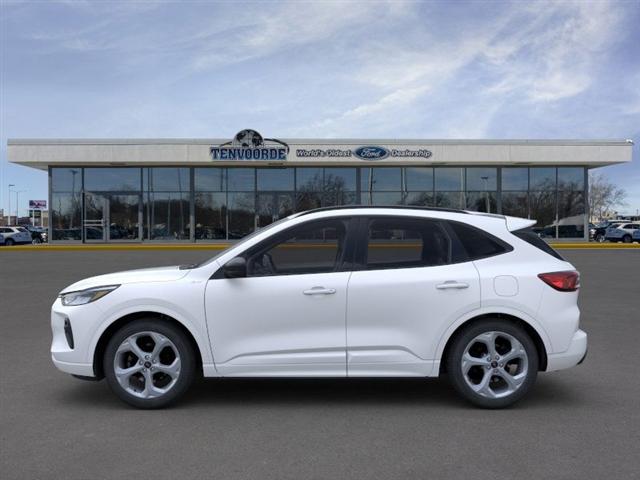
(9,213)
(18,192)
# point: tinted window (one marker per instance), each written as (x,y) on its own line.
(451,179)
(112,179)
(406,243)
(315,247)
(532,238)
(515,178)
(477,243)
(380,179)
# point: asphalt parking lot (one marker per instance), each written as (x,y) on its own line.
(577,424)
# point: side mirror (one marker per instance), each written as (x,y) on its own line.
(235,268)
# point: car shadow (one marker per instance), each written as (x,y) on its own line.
(314,392)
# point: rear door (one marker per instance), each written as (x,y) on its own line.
(410,287)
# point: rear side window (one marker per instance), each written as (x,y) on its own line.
(396,242)
(478,243)
(532,238)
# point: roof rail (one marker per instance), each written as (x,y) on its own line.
(398,207)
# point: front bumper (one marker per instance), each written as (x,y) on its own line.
(81,369)
(571,357)
(72,330)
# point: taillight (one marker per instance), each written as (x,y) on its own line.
(562,281)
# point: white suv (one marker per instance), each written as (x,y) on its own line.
(15,235)
(622,232)
(339,292)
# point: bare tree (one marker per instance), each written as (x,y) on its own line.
(604,196)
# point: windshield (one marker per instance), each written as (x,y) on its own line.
(243,241)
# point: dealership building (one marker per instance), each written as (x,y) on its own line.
(207,190)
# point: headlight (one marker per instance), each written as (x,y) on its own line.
(83,297)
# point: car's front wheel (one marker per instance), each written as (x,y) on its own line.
(492,363)
(599,238)
(149,363)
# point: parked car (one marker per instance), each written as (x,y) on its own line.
(636,235)
(477,297)
(1,239)
(15,235)
(38,234)
(622,232)
(599,232)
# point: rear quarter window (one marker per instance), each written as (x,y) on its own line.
(478,243)
(532,238)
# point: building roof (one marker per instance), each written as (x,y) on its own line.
(43,153)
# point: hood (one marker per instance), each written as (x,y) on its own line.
(161,274)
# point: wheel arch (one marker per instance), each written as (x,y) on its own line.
(105,336)
(531,331)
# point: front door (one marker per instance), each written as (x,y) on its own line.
(406,295)
(287,317)
(95,217)
(111,217)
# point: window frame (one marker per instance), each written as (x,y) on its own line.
(344,264)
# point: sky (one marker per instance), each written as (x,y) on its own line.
(373,69)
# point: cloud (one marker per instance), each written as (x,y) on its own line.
(552,57)
(539,53)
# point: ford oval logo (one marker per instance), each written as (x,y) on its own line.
(371,153)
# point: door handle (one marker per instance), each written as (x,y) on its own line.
(452,285)
(320,291)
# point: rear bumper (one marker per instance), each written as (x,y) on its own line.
(571,357)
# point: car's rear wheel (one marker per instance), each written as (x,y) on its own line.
(626,239)
(149,363)
(492,363)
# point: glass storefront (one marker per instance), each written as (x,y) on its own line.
(227,203)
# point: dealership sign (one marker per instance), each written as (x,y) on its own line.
(371,153)
(366,152)
(38,204)
(250,145)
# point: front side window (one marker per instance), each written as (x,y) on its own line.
(406,243)
(314,247)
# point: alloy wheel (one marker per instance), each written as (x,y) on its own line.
(494,364)
(147,364)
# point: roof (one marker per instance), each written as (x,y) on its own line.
(314,141)
(43,153)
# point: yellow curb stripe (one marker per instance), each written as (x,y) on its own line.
(222,246)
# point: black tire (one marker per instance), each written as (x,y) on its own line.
(599,238)
(454,362)
(9,242)
(626,239)
(185,351)
(36,241)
